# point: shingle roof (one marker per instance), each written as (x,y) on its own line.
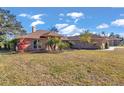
(114,38)
(93,37)
(78,37)
(39,34)
(64,38)
(74,38)
(51,34)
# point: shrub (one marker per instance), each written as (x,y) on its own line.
(13,43)
(63,45)
(1,44)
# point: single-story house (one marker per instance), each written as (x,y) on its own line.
(97,42)
(113,41)
(37,40)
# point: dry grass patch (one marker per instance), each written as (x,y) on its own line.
(78,67)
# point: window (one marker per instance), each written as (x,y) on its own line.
(39,43)
(35,43)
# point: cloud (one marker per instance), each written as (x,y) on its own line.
(76,34)
(69,30)
(121,34)
(60,26)
(37,22)
(121,14)
(76,20)
(37,17)
(118,22)
(102,26)
(68,21)
(93,32)
(75,15)
(24,15)
(60,18)
(61,14)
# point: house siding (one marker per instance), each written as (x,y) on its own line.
(82,45)
(29,43)
(114,42)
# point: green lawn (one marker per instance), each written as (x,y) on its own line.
(76,67)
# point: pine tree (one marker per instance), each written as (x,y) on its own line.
(9,26)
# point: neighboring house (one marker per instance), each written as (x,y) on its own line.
(113,41)
(98,42)
(37,40)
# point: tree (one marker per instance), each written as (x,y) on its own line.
(103,33)
(117,36)
(56,44)
(86,37)
(9,26)
(54,29)
(13,44)
(112,34)
(53,43)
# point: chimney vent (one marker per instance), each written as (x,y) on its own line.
(33,29)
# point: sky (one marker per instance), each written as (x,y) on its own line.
(72,20)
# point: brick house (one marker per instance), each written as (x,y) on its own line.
(113,41)
(98,42)
(37,40)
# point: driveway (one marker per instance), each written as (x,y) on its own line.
(112,48)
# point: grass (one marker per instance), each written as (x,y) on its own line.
(77,67)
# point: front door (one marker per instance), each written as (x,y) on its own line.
(37,44)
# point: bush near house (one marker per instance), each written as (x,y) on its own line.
(13,44)
(56,44)
(1,45)
(63,45)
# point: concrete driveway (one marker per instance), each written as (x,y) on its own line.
(112,48)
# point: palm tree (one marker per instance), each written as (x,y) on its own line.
(56,41)
(54,29)
(86,37)
(53,43)
(112,34)
(49,44)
